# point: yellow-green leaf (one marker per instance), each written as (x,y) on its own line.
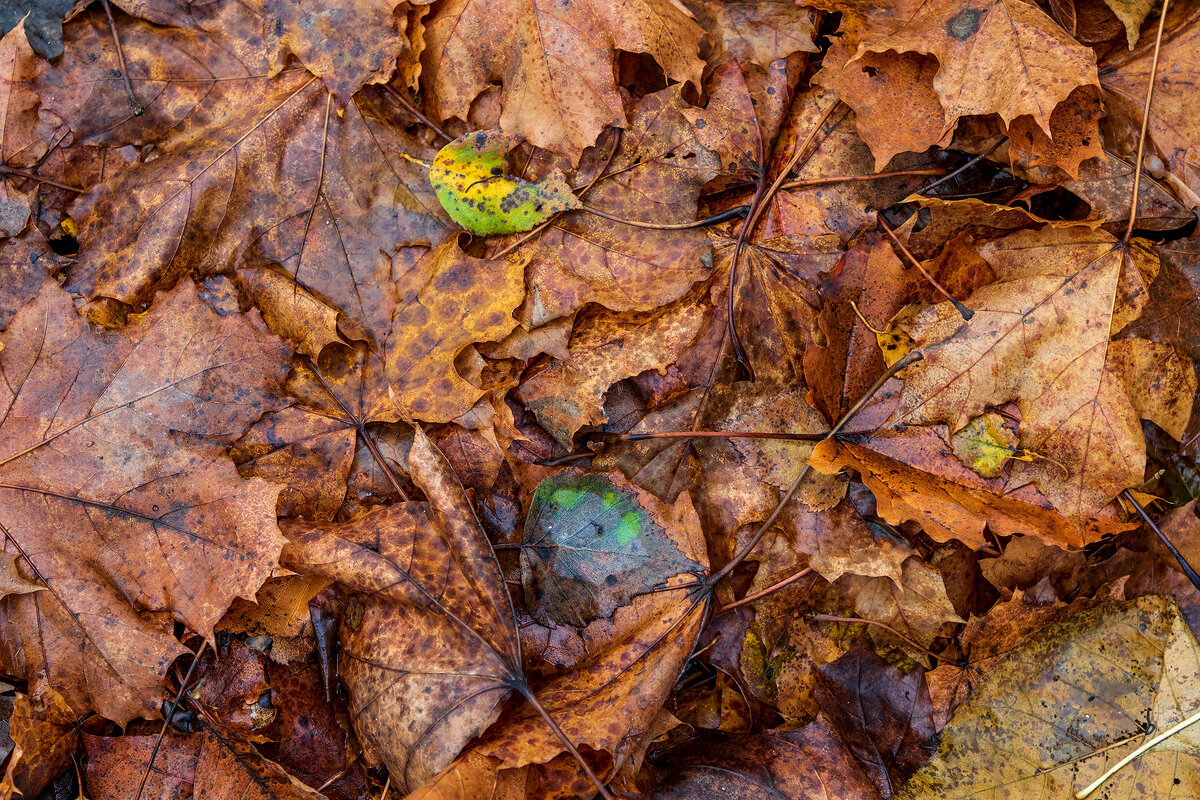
(471,180)
(985,444)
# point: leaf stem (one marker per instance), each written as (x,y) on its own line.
(1187,568)
(974,160)
(716,219)
(167,718)
(534,701)
(885,626)
(878,176)
(775,587)
(20,173)
(412,109)
(963,310)
(1145,746)
(1137,164)
(138,110)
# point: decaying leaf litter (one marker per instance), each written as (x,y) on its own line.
(656,399)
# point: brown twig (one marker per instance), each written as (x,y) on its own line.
(138,110)
(974,160)
(963,310)
(1137,164)
(167,719)
(715,219)
(878,176)
(412,109)
(20,173)
(775,587)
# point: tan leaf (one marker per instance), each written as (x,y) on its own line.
(1071,701)
(1001,57)
(1040,337)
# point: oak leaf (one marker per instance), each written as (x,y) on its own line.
(115,440)
(554,61)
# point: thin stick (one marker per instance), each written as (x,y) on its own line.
(963,310)
(1137,165)
(858,620)
(716,219)
(138,110)
(1187,568)
(974,160)
(796,437)
(167,719)
(911,358)
(854,178)
(20,173)
(534,701)
(412,109)
(1096,784)
(775,587)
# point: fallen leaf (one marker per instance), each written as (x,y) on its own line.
(655,176)
(916,605)
(25,263)
(115,440)
(1071,701)
(895,107)
(883,715)
(229,766)
(606,347)
(1041,337)
(985,444)
(1074,135)
(811,763)
(756,32)
(558,90)
(1040,64)
(116,764)
(429,658)
(44,730)
(949,509)
(231,685)
(314,32)
(260,171)
(589,547)
(20,144)
(279,611)
(42,20)
(501,203)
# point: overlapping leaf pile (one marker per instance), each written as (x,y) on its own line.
(360,500)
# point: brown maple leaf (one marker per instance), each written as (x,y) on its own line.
(1041,336)
(554,61)
(115,442)
(1003,57)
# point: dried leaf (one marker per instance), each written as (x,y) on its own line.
(1041,63)
(555,62)
(1041,337)
(115,765)
(1071,701)
(115,440)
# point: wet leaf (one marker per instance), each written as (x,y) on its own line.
(589,547)
(115,440)
(470,178)
(1072,700)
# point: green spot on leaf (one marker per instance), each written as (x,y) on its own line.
(589,548)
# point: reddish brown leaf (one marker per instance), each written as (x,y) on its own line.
(555,62)
(883,715)
(316,33)
(20,144)
(811,763)
(229,766)
(116,764)
(115,440)
(429,656)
